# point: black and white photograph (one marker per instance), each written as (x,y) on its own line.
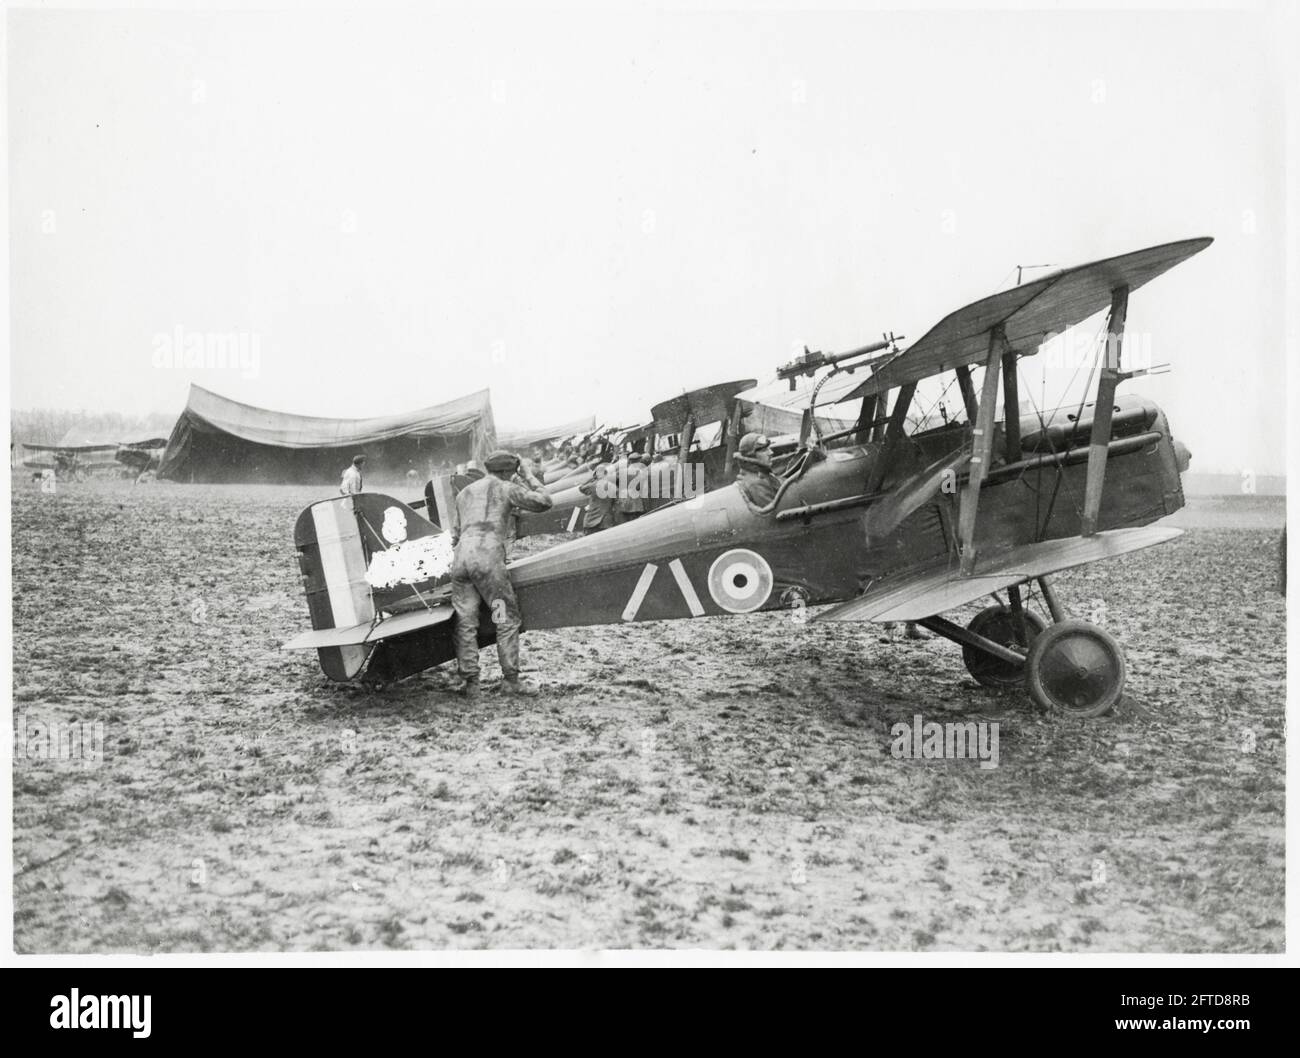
(674,484)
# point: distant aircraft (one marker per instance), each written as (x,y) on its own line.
(896,526)
(77,457)
(691,441)
(677,471)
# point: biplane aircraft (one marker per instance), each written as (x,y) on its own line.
(679,472)
(889,526)
(561,477)
(691,442)
(563,482)
(85,458)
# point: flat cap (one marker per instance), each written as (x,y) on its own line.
(501,461)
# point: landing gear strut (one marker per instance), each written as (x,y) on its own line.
(1069,667)
(998,624)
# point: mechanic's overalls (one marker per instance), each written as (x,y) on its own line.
(484,511)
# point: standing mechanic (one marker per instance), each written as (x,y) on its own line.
(481,532)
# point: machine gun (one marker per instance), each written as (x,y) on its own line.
(811,362)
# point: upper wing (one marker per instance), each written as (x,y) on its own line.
(706,405)
(1029,314)
(936,589)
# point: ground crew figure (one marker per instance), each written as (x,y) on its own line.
(600,492)
(351,482)
(527,477)
(758,485)
(631,502)
(480,531)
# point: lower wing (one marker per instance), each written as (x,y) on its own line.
(923,593)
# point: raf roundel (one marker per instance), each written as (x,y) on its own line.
(740,580)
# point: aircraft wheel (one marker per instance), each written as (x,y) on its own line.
(1076,669)
(995,623)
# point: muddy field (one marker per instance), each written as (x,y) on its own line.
(713,783)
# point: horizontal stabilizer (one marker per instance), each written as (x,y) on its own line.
(358,635)
(924,593)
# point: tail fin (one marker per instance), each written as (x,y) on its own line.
(333,564)
(362,556)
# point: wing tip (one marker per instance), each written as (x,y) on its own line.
(1195,244)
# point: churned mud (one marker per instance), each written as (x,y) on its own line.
(714,783)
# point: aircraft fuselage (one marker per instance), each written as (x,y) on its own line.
(714,555)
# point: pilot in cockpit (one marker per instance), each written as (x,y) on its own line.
(758,485)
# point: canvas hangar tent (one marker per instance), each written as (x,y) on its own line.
(221,440)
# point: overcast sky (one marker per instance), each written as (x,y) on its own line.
(589,213)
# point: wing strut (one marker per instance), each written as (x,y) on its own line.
(967,393)
(688,435)
(866,418)
(732,440)
(982,444)
(1099,444)
(1011,405)
(893,437)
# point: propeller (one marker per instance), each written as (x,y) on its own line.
(886,515)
